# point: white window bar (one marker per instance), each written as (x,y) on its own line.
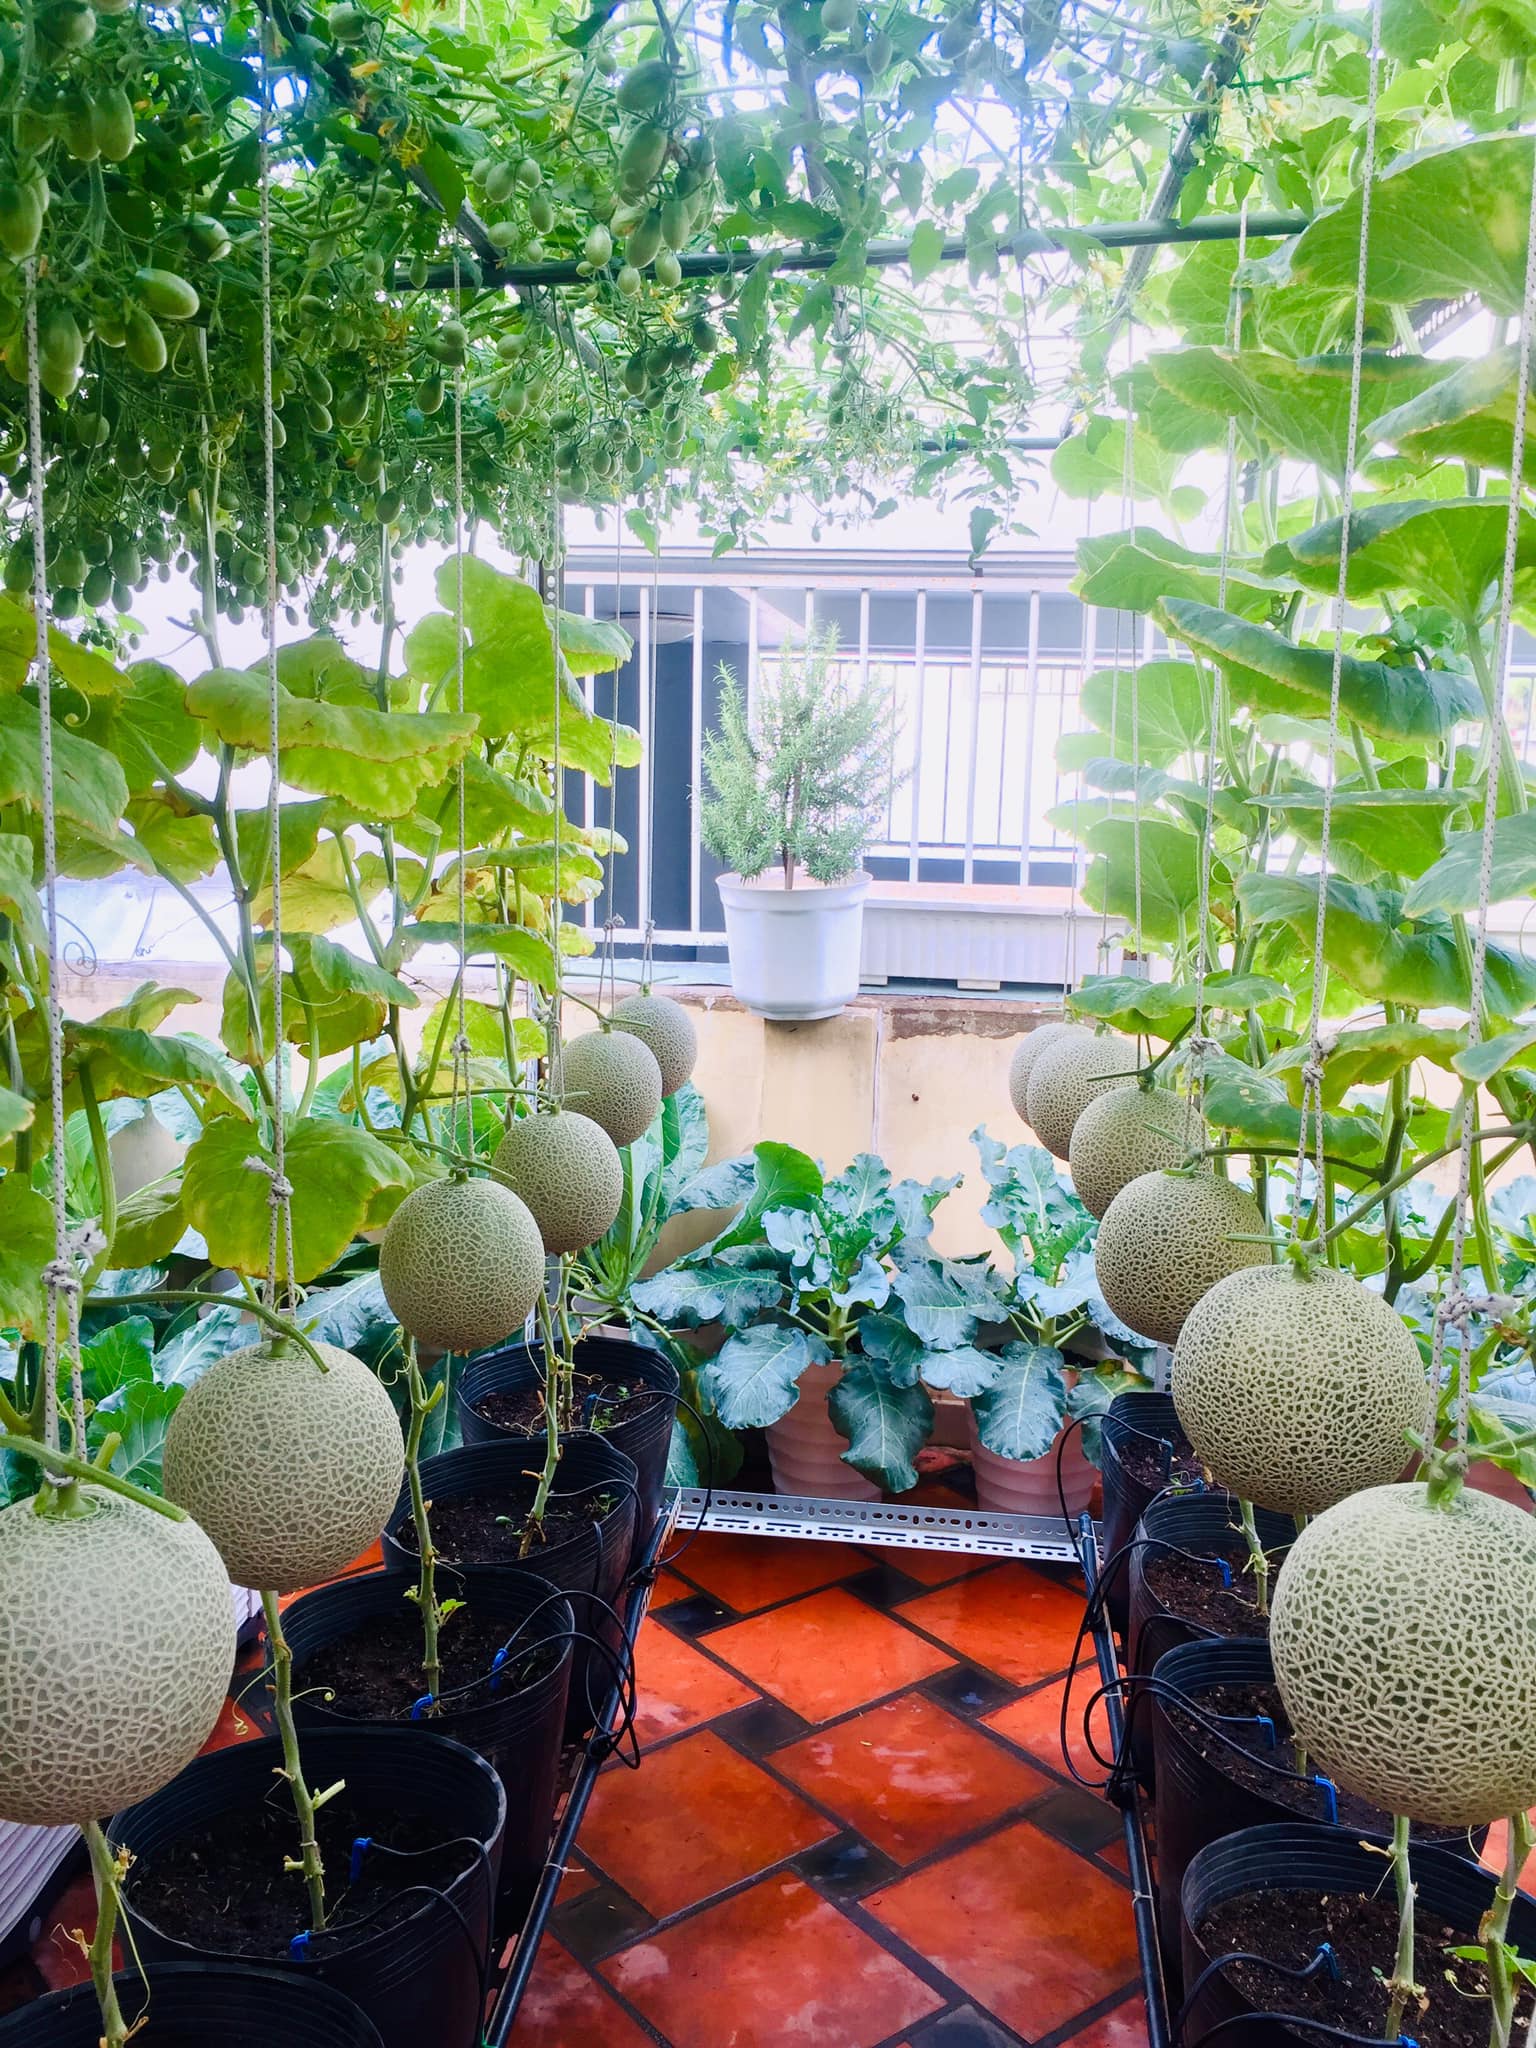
(696,783)
(754,630)
(589,782)
(1031,713)
(810,611)
(920,661)
(646,823)
(974,740)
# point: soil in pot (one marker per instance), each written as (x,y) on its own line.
(1287,1927)
(491,1528)
(602,1404)
(1195,1590)
(373,1672)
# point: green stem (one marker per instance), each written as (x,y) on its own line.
(1424,1159)
(1495,1930)
(67,1466)
(105,1875)
(1257,1556)
(250,1305)
(552,1371)
(1400,1985)
(103,1162)
(422,1405)
(305,1805)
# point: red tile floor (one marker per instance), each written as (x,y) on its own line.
(851,1826)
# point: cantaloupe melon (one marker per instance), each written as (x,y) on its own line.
(1025,1054)
(1166,1238)
(1066,1078)
(117,1639)
(1297,1389)
(1120,1136)
(461,1264)
(292,1471)
(666,1027)
(141,1151)
(1404,1640)
(614,1078)
(568,1171)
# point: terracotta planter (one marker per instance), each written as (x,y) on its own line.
(806,1452)
(1027,1486)
(1490,1478)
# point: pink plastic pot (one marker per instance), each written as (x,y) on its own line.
(806,1452)
(1027,1486)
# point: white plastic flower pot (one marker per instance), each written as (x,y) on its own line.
(806,1451)
(794,952)
(1028,1486)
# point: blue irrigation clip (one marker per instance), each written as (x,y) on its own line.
(360,1849)
(1326,1954)
(298,1948)
(419,1707)
(497,1661)
(1330,1792)
(1223,1567)
(1266,1728)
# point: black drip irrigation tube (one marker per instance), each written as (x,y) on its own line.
(1123,1791)
(601,1744)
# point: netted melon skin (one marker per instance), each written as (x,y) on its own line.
(612,1077)
(667,1028)
(1404,1640)
(568,1171)
(117,1639)
(292,1471)
(1119,1137)
(1066,1078)
(461,1264)
(1297,1391)
(1025,1054)
(1165,1239)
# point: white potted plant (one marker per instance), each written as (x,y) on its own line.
(794,791)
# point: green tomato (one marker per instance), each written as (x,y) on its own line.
(67,24)
(629,282)
(166,294)
(669,270)
(598,248)
(541,211)
(500,183)
(529,174)
(643,241)
(21,220)
(143,341)
(77,124)
(642,157)
(115,128)
(207,237)
(642,90)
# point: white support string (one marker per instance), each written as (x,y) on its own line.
(460,1070)
(279,1193)
(1312,1071)
(60,1276)
(648,920)
(1455,1306)
(557,792)
(1199,1044)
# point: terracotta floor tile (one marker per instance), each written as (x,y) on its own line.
(1496,1848)
(669,1587)
(1031,1931)
(827,1654)
(774,1967)
(1034,1723)
(1016,1622)
(566,2008)
(910,1777)
(749,1572)
(60,1960)
(694,1818)
(678,1687)
(929,1567)
(1125,2027)
(575,1880)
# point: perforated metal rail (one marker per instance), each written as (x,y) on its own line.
(967,1530)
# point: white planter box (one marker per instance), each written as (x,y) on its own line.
(983,936)
(794,952)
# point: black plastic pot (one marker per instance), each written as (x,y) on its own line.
(1198,1800)
(1204,1524)
(619,1361)
(417,1973)
(191,2006)
(518,1732)
(1296,1857)
(589,1567)
(1147,1422)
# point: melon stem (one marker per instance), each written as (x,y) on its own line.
(422,1404)
(553,1372)
(1257,1557)
(1400,1985)
(309,1861)
(105,1875)
(1495,1929)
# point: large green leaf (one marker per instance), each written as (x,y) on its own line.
(316,895)
(150,1225)
(18,899)
(1444,223)
(1092,464)
(886,1425)
(591,647)
(1258,1107)
(1452,883)
(1267,672)
(751,1380)
(713,1291)
(783,1178)
(1161,1009)
(177,843)
(1392,831)
(134,1062)
(1289,408)
(1153,718)
(148,727)
(343,1181)
(945,1301)
(26,1246)
(88,784)
(1468,416)
(1169,863)
(1367,1057)
(1134,571)
(1020,1414)
(523,951)
(328,993)
(1365,941)
(1448,552)
(378,760)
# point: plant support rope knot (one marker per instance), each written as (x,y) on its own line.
(280,1188)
